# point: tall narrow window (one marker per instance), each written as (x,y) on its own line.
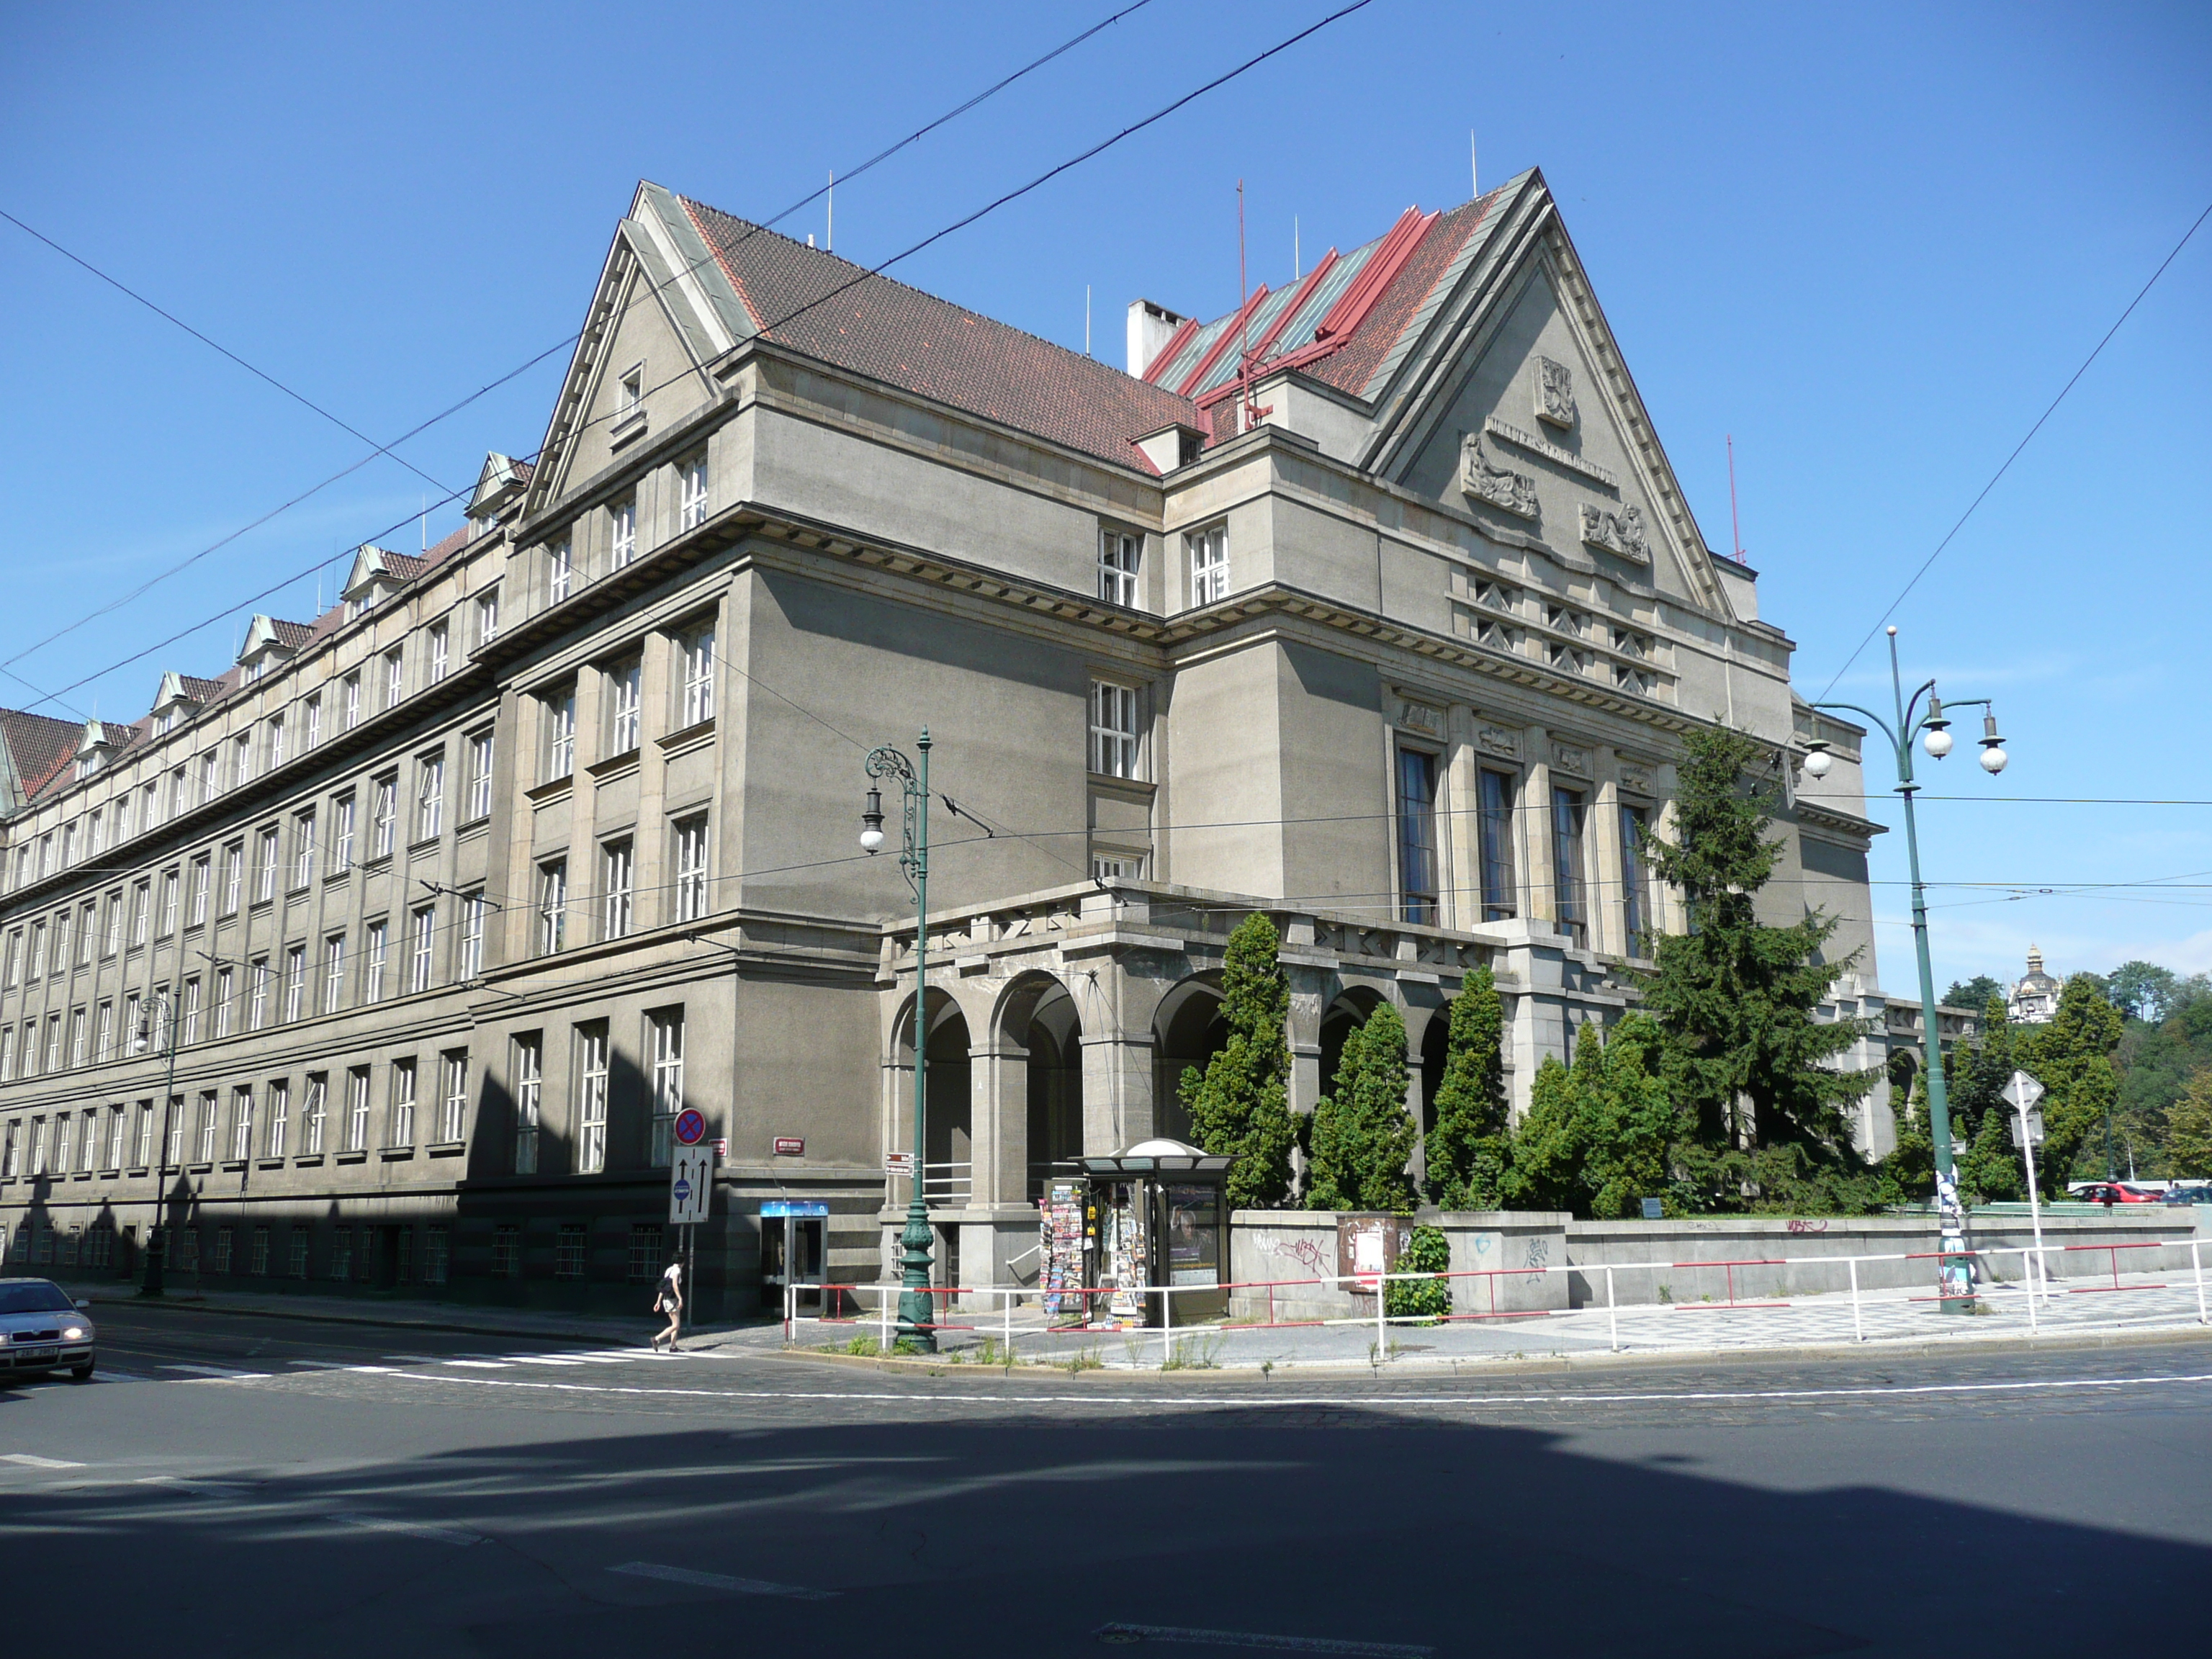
(256,1013)
(591,1098)
(623,681)
(264,875)
(334,966)
(103,1041)
(429,795)
(441,651)
(37,950)
(200,899)
(172,883)
(295,982)
(144,1156)
(280,1116)
(387,814)
(1113,729)
(1209,563)
(15,973)
(666,1033)
(210,1114)
(350,698)
(241,1123)
(80,1037)
(119,1136)
(222,1001)
(357,1122)
(423,926)
(472,937)
(211,774)
(479,801)
(98,840)
(1417,836)
(87,924)
(303,849)
(403,1104)
(372,962)
(622,524)
(552,905)
(241,757)
(342,834)
(233,868)
(453,1095)
(313,1112)
(487,616)
(1567,815)
(528,1086)
(691,484)
(395,676)
(616,874)
(698,647)
(276,743)
(560,571)
(559,735)
(1634,893)
(1495,828)
(691,868)
(1118,552)
(310,722)
(189,1023)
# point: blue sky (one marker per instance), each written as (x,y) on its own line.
(1871,242)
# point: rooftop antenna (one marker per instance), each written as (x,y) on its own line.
(1473,173)
(426,523)
(830,230)
(1735,524)
(1086,319)
(1298,260)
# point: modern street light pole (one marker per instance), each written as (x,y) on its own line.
(1955,1266)
(157,1241)
(917,1318)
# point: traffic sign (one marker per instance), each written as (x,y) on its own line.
(2022,1092)
(690,1185)
(690,1126)
(2034,1122)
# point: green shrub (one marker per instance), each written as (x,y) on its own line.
(1427,1252)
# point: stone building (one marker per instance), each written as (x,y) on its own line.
(2034,1001)
(388,955)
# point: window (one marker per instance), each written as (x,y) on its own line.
(1635,901)
(1209,563)
(630,393)
(256,1013)
(201,875)
(436,1254)
(454,1101)
(1113,729)
(648,1253)
(441,651)
(242,760)
(552,905)
(691,489)
(334,973)
(264,876)
(1567,814)
(174,1122)
(295,982)
(280,1115)
(528,1086)
(103,1041)
(223,1238)
(88,924)
(11,1159)
(623,680)
(144,1156)
(61,941)
(592,1098)
(666,1033)
(1417,836)
(429,795)
(622,523)
(487,616)
(189,1023)
(387,813)
(372,963)
(349,699)
(276,743)
(222,1002)
(241,1123)
(119,1137)
(137,1036)
(53,1043)
(211,774)
(49,852)
(310,722)
(342,834)
(569,1251)
(341,1254)
(1118,552)
(64,1128)
(697,648)
(403,1103)
(356,1126)
(507,1251)
(208,1113)
(617,873)
(233,867)
(1494,824)
(80,1037)
(423,932)
(691,868)
(298,1250)
(109,945)
(313,1112)
(560,572)
(303,849)
(559,735)
(151,798)
(473,906)
(395,676)
(172,885)
(479,801)
(181,799)
(38,1146)
(14,971)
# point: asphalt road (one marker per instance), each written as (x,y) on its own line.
(302,1487)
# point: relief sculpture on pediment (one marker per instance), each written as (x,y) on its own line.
(1515,492)
(1617,531)
(1555,392)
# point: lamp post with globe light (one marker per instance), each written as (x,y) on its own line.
(917,1320)
(1932,725)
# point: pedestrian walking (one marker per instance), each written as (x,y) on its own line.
(669,1299)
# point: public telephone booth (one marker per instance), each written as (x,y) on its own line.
(1157,1214)
(794,1249)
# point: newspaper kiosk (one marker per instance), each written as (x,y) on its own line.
(1157,1214)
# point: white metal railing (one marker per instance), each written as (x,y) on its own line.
(946,1183)
(2041,1288)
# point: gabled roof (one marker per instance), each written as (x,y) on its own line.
(378,564)
(32,749)
(501,479)
(263,632)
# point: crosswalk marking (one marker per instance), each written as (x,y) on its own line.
(460,1536)
(224,1372)
(32,1461)
(478,1364)
(321,1364)
(540,1359)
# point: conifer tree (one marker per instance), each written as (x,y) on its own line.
(1989,1166)
(2188,1128)
(2072,1058)
(1239,1106)
(1468,1148)
(1362,1138)
(1596,1136)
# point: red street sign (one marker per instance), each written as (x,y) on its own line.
(790,1147)
(690,1126)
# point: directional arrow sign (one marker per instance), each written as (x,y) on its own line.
(2022,1092)
(690,1185)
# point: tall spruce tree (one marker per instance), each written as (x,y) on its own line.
(2071,1056)
(1982,1119)
(1362,1138)
(1736,999)
(1239,1106)
(1596,1138)
(1468,1147)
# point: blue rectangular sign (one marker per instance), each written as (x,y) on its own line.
(799,1206)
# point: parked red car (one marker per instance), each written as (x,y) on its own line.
(2109,1192)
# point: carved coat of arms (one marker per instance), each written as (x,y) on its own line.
(1555,392)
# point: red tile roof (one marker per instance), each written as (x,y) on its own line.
(39,745)
(899,335)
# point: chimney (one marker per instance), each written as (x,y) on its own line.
(1150,327)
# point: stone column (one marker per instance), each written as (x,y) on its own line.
(1539,886)
(998,1122)
(1608,901)
(1117,1089)
(1674,915)
(1463,827)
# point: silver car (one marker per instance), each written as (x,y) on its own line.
(42,1330)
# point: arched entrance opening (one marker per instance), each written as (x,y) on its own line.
(1188,1030)
(1054,1037)
(946,1106)
(1338,1022)
(1436,1045)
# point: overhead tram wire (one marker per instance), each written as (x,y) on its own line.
(1928,563)
(1135,127)
(646,293)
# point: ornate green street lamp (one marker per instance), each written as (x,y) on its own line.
(917,1318)
(1954,1274)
